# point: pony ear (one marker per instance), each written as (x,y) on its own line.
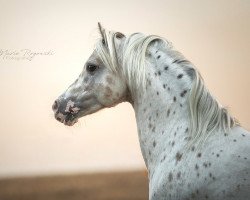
(101,30)
(119,35)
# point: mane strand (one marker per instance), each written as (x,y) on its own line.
(206,114)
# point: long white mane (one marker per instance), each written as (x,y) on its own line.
(206,114)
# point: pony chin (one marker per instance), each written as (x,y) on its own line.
(70,123)
(89,111)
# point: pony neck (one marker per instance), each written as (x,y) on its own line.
(162,127)
(162,114)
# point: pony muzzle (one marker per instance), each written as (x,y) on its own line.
(65,112)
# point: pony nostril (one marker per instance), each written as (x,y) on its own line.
(55,105)
(59,119)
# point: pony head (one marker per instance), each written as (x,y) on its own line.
(98,86)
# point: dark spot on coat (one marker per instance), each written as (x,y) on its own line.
(193,148)
(178,156)
(174,99)
(196,167)
(186,130)
(187,138)
(238,187)
(154,143)
(166,67)
(205,165)
(168,112)
(170,177)
(150,125)
(159,73)
(157,93)
(217,155)
(109,80)
(180,76)
(178,175)
(173,143)
(108,92)
(243,135)
(158,56)
(163,158)
(164,86)
(198,155)
(149,82)
(235,140)
(183,93)
(153,129)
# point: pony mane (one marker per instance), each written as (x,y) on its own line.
(132,61)
(206,114)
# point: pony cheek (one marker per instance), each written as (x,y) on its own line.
(107,97)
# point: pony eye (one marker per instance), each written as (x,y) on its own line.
(103,41)
(91,68)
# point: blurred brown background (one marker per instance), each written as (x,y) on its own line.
(214,35)
(105,186)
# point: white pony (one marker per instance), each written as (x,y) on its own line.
(192,147)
